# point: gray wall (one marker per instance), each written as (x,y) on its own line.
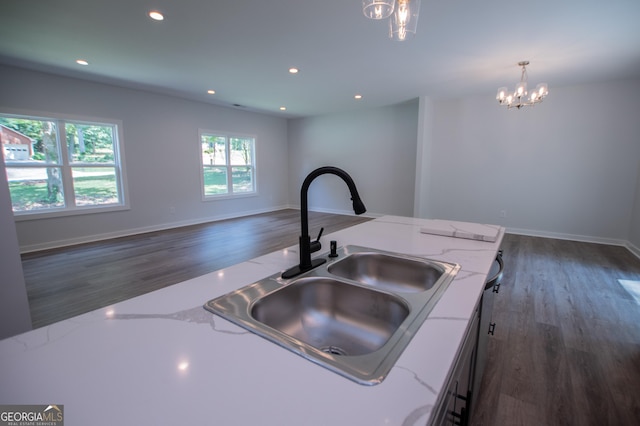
(161,150)
(566,168)
(377,147)
(14,305)
(424,157)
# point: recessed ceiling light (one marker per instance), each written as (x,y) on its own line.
(156,16)
(211,92)
(81,62)
(282,108)
(357,97)
(294,70)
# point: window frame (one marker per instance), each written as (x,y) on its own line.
(228,165)
(66,165)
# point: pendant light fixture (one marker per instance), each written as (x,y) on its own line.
(404,20)
(402,14)
(377,9)
(521,97)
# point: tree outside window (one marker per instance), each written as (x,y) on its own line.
(58,165)
(227,164)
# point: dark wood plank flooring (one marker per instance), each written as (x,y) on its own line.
(566,349)
(65,282)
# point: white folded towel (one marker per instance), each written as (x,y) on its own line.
(470,231)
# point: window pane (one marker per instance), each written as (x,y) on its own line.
(35,188)
(242,179)
(90,143)
(51,160)
(241,151)
(214,152)
(95,186)
(27,140)
(215,180)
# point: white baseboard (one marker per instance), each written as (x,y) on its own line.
(342,212)
(572,237)
(136,231)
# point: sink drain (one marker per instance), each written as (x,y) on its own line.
(334,350)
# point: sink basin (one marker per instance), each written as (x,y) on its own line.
(353,315)
(332,316)
(393,273)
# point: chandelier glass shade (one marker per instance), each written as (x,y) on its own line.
(377,9)
(404,20)
(521,97)
(402,14)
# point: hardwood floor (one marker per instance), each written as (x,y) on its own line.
(566,349)
(65,282)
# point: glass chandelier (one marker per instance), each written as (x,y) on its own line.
(402,14)
(521,97)
(377,9)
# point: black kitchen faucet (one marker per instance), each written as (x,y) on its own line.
(306,246)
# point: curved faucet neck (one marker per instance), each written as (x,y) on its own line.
(304,209)
(305,240)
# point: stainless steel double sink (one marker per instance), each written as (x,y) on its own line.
(353,315)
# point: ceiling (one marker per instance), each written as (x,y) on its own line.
(243,48)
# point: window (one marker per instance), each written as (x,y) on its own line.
(60,166)
(228,165)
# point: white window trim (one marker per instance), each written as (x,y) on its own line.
(118,154)
(228,135)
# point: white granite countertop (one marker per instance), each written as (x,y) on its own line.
(162,359)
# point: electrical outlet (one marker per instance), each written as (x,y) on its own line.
(503,214)
(172,210)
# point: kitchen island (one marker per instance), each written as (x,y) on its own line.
(162,359)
